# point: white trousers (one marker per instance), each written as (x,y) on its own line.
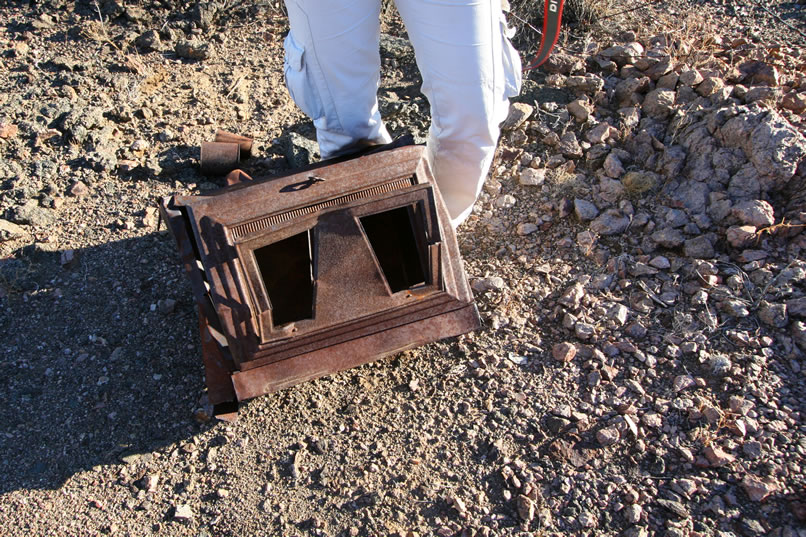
(469,70)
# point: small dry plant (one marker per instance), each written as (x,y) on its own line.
(96,31)
(563,183)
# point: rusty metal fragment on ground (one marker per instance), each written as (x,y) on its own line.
(219,158)
(323,269)
(244,142)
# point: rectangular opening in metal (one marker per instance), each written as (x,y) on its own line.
(392,237)
(286,267)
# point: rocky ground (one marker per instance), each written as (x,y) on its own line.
(637,256)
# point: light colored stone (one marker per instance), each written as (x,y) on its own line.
(652,419)
(600,133)
(612,166)
(691,78)
(618,312)
(490,283)
(526,508)
(633,513)
(660,262)
(532,177)
(589,84)
(518,114)
(183,513)
(581,109)
(526,228)
(683,382)
(757,488)
(717,457)
(564,352)
(608,436)
(8,130)
(506,201)
(572,296)
(10,230)
(659,103)
(583,331)
(757,213)
(773,314)
(794,101)
(741,236)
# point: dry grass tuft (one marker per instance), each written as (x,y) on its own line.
(563,183)
(95,31)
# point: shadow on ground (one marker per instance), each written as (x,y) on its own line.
(89,373)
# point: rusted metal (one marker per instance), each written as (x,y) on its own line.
(319,270)
(219,158)
(245,142)
(237,176)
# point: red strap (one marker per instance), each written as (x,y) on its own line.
(552,17)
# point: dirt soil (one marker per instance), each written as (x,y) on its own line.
(597,399)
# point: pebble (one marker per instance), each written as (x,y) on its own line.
(683,382)
(608,436)
(585,210)
(526,508)
(518,114)
(583,331)
(668,237)
(587,519)
(564,352)
(506,201)
(741,236)
(756,213)
(78,190)
(699,248)
(193,49)
(717,457)
(166,305)
(758,489)
(773,314)
(526,228)
(674,507)
(8,130)
(613,166)
(633,513)
(490,283)
(183,513)
(619,313)
(611,222)
(660,262)
(636,330)
(572,297)
(532,177)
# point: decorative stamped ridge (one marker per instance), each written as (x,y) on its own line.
(248,228)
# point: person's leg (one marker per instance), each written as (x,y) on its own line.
(469,71)
(332,69)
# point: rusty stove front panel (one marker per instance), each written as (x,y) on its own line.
(313,272)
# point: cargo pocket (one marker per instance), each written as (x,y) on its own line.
(298,80)
(511,60)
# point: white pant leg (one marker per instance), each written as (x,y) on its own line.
(332,70)
(470,70)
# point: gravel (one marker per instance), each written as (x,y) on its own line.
(636,257)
